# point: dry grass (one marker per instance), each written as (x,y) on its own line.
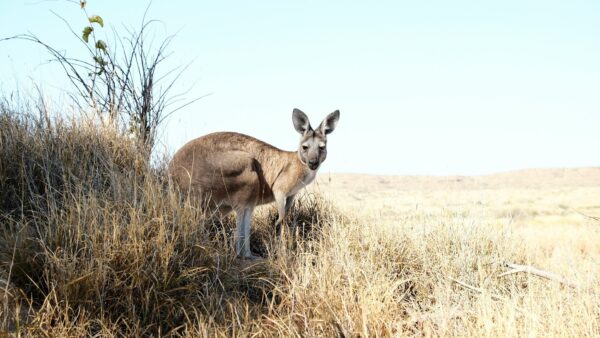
(94,242)
(540,218)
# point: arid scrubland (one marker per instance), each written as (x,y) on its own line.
(94,242)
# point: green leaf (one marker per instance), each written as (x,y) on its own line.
(97,19)
(99,60)
(101,45)
(86,33)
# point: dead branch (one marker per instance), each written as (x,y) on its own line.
(494,297)
(593,218)
(476,289)
(537,272)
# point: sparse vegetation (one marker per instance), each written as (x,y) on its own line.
(122,82)
(93,241)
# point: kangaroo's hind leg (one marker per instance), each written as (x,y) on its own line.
(238,237)
(242,233)
(247,224)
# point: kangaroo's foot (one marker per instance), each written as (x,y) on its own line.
(251,257)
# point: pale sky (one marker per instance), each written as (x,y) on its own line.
(424,87)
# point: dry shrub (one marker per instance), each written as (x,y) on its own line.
(94,240)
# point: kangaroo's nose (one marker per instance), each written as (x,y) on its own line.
(312,162)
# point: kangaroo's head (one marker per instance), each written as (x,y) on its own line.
(312,149)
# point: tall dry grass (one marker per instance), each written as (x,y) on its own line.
(93,241)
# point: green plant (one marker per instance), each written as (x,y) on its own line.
(122,82)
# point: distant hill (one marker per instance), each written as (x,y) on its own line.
(520,179)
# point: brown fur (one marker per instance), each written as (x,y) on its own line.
(235,170)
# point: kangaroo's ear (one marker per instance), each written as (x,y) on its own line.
(301,122)
(329,123)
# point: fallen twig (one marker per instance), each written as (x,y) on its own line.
(494,297)
(476,289)
(537,272)
(594,218)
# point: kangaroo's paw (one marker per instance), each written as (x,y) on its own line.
(251,257)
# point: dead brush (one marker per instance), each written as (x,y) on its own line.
(87,227)
(304,224)
(95,241)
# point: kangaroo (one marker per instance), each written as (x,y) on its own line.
(236,172)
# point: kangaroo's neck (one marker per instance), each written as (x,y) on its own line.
(283,170)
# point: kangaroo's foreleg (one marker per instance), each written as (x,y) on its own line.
(283,206)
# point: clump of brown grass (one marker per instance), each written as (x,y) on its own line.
(94,240)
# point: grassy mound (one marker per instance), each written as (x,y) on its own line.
(93,239)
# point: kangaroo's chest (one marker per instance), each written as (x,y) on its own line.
(303,181)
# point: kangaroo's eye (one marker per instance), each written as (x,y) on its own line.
(304,147)
(321,148)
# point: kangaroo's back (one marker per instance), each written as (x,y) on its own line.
(226,167)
